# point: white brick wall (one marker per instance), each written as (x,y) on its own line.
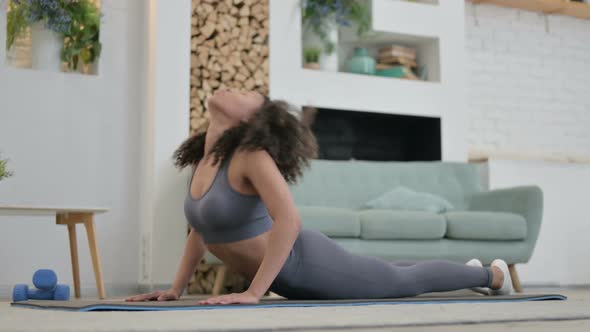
(528,82)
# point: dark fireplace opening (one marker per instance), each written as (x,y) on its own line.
(345,135)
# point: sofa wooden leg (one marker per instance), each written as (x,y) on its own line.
(219,280)
(515,279)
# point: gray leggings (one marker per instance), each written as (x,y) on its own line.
(319,268)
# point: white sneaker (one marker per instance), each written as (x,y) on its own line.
(481,290)
(506,288)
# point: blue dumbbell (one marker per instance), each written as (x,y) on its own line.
(47,288)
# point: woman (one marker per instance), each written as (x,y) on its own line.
(240,208)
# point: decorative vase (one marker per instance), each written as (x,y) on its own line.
(329,61)
(46,47)
(361,62)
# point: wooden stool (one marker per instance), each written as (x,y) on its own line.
(70,217)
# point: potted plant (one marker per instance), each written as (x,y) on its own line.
(4,173)
(311,56)
(321,20)
(61,30)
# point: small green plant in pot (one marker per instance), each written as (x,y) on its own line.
(4,172)
(311,56)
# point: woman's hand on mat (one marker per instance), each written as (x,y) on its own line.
(167,295)
(245,297)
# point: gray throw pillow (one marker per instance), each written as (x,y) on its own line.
(403,198)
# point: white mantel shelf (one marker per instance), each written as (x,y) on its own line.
(369,93)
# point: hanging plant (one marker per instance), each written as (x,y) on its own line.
(320,15)
(82,40)
(16,22)
(78,21)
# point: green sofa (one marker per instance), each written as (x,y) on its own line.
(500,223)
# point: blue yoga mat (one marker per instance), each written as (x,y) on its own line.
(192,303)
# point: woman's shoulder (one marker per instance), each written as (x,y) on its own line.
(253,157)
(252,161)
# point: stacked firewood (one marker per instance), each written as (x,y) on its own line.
(204,280)
(229,49)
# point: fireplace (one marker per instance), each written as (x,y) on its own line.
(345,135)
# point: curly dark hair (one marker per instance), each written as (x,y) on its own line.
(288,141)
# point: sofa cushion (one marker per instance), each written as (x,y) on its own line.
(334,222)
(484,225)
(381,224)
(403,198)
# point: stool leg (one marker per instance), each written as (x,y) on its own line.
(91,231)
(74,254)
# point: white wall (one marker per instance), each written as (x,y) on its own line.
(74,140)
(528,82)
(529,97)
(560,257)
(165,124)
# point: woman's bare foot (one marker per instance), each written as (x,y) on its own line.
(501,282)
(498,280)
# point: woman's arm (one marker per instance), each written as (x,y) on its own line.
(194,250)
(264,175)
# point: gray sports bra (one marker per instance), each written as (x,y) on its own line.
(225,215)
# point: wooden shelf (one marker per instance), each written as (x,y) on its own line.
(563,7)
(577,9)
(484,155)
